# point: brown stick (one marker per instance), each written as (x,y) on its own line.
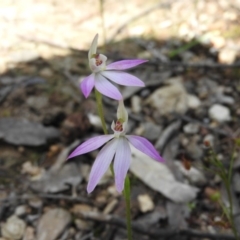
(114,220)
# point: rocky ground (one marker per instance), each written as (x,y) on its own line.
(191,100)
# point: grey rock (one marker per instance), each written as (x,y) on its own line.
(194,150)
(150,80)
(13,228)
(193,174)
(38,102)
(152,218)
(151,131)
(4,91)
(191,128)
(59,180)
(206,87)
(159,177)
(52,224)
(222,98)
(169,99)
(193,101)
(209,139)
(136,104)
(6,80)
(23,132)
(187,56)
(168,132)
(20,210)
(219,113)
(177,213)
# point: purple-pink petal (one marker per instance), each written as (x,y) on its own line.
(90,145)
(143,145)
(123,78)
(101,164)
(125,64)
(107,88)
(87,85)
(121,162)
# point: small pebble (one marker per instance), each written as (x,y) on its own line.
(136,104)
(209,139)
(219,113)
(193,101)
(110,206)
(14,228)
(145,203)
(83,225)
(29,234)
(191,128)
(46,72)
(20,210)
(151,131)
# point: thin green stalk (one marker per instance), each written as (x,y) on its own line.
(231,215)
(231,166)
(227,183)
(128,207)
(98,96)
(127,181)
(226,176)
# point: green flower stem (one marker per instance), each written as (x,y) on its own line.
(231,215)
(228,188)
(226,176)
(126,192)
(98,96)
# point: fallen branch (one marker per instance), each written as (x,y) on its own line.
(166,4)
(196,65)
(114,220)
(48,196)
(162,61)
(205,125)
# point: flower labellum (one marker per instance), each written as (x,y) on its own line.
(117,148)
(102,73)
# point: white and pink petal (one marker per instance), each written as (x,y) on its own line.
(106,88)
(123,78)
(101,164)
(87,85)
(122,162)
(125,64)
(143,145)
(90,145)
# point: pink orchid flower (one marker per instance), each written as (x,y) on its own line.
(102,73)
(117,147)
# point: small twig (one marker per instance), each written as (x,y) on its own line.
(171,129)
(192,120)
(171,64)
(160,62)
(114,220)
(64,197)
(49,196)
(195,65)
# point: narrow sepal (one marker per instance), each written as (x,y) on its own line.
(143,145)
